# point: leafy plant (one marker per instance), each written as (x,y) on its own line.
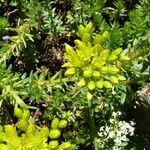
(11,87)
(4,24)
(17,43)
(94,66)
(52,23)
(27,135)
(16,88)
(93,93)
(93,63)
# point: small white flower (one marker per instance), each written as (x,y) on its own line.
(107,129)
(100,134)
(102,128)
(111,120)
(115,130)
(117,141)
(111,135)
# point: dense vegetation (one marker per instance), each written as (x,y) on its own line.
(74,74)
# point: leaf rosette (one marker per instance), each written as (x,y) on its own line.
(92,63)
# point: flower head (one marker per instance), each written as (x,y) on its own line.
(5,38)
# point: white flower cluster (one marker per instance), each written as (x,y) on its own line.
(114,134)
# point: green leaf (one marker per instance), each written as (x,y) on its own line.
(81,31)
(88,27)
(80,45)
(104,54)
(86,38)
(72,56)
(98,39)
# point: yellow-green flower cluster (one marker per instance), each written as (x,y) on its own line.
(94,65)
(26,136)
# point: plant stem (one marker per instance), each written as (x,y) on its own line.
(92,124)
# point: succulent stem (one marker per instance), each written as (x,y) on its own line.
(92,124)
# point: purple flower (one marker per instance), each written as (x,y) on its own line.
(5,38)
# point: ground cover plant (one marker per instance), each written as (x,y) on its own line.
(74,75)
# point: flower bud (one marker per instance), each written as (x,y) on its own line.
(65,145)
(87,73)
(54,134)
(18,112)
(107,84)
(10,130)
(70,72)
(31,129)
(26,115)
(44,132)
(89,96)
(22,125)
(55,123)
(113,79)
(5,38)
(112,70)
(53,145)
(91,85)
(96,74)
(121,78)
(99,84)
(81,83)
(63,124)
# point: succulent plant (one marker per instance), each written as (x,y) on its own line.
(94,64)
(29,136)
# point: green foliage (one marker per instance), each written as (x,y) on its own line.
(17,43)
(83,103)
(52,23)
(16,88)
(4,24)
(12,87)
